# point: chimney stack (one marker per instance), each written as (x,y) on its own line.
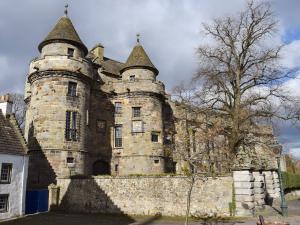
(98,51)
(6,104)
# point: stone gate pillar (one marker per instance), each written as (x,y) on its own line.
(53,197)
(276,184)
(244,192)
(259,192)
(269,187)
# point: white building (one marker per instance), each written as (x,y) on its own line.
(13,163)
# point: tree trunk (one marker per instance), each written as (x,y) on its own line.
(188,201)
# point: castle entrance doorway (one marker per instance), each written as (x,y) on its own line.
(101,167)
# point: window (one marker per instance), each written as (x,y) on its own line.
(101,126)
(156,161)
(137,126)
(71,52)
(72,89)
(116,168)
(3,203)
(118,108)
(72,132)
(132,78)
(70,160)
(5,173)
(136,111)
(118,136)
(154,136)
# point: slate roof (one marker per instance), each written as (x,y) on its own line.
(64,31)
(139,58)
(11,142)
(112,66)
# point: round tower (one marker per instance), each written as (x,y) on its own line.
(140,122)
(57,94)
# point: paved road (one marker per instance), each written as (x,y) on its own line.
(99,219)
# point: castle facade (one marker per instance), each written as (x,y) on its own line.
(89,114)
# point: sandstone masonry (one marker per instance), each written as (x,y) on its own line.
(145,195)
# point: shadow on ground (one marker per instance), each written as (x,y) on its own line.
(71,219)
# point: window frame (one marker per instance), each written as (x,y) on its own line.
(6,203)
(72,126)
(118,141)
(136,111)
(155,134)
(9,173)
(101,130)
(70,52)
(118,108)
(72,92)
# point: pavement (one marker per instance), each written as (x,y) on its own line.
(59,218)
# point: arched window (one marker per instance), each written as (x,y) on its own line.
(101,167)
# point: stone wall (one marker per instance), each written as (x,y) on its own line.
(145,195)
(254,189)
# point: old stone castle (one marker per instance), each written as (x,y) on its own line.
(90,115)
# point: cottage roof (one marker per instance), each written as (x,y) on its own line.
(64,31)
(11,140)
(138,58)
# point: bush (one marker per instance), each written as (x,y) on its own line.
(291,180)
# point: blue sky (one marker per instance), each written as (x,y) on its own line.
(170,32)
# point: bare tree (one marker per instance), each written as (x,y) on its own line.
(192,143)
(19,108)
(240,76)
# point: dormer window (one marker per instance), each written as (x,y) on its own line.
(71,52)
(132,78)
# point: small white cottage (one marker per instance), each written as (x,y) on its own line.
(13,163)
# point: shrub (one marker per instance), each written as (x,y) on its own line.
(291,180)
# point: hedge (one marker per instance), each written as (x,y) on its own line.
(291,180)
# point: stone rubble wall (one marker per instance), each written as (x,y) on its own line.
(145,195)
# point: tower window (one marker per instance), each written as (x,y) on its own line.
(101,126)
(132,78)
(5,173)
(118,136)
(70,160)
(136,111)
(3,203)
(154,136)
(118,108)
(71,52)
(116,168)
(156,161)
(71,132)
(72,86)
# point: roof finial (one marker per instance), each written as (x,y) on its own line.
(66,9)
(138,38)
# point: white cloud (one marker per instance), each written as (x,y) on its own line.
(290,56)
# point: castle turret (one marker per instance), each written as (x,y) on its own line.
(57,94)
(138,135)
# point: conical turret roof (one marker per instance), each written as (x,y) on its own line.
(64,31)
(138,58)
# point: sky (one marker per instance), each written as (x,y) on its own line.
(170,33)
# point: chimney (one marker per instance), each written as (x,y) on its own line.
(6,104)
(98,51)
